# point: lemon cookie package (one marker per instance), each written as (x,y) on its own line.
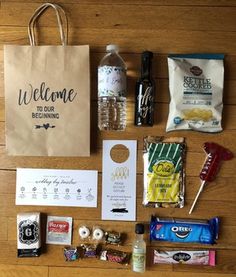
(164,175)
(196,84)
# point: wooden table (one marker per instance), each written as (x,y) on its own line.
(170,26)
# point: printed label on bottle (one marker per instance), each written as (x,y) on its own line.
(139,260)
(145,101)
(111,81)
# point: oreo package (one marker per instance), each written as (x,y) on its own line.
(184,230)
(28,235)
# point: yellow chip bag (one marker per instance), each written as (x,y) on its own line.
(164,172)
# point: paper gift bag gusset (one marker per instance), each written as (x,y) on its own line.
(47,96)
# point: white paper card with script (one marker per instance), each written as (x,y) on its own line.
(56,187)
(119,181)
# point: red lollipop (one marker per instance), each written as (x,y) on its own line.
(215,155)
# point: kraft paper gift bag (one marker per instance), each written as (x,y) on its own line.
(47,95)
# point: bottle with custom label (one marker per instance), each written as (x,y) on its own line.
(112,91)
(139,250)
(144,93)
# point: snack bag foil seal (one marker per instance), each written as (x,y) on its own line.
(28,235)
(196,84)
(164,175)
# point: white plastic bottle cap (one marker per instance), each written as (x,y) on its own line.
(112,47)
(84,232)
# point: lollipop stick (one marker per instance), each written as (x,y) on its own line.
(196,198)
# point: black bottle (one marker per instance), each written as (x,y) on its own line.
(144,93)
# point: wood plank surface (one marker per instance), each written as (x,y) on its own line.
(185,40)
(23,271)
(209,3)
(161,26)
(69,272)
(115,16)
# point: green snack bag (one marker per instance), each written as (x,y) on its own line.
(164,172)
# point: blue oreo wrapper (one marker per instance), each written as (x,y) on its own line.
(184,230)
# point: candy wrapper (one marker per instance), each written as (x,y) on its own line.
(113,238)
(89,250)
(184,230)
(98,233)
(71,253)
(28,235)
(116,256)
(164,172)
(84,232)
(59,230)
(195,257)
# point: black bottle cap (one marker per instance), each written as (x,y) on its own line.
(147,54)
(139,228)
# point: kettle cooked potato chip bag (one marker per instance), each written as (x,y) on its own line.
(196,88)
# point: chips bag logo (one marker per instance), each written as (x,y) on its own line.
(58,226)
(181,232)
(163,168)
(195,70)
(28,232)
(181,257)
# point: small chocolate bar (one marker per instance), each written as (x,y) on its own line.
(116,256)
(112,238)
(28,235)
(89,250)
(71,253)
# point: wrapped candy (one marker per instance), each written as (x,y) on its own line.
(193,257)
(164,180)
(184,230)
(116,256)
(71,253)
(215,155)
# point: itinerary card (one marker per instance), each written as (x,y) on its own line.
(56,187)
(119,183)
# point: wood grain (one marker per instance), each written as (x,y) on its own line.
(208,3)
(116,17)
(185,41)
(23,271)
(161,26)
(69,272)
(133,61)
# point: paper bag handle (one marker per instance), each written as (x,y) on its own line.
(59,10)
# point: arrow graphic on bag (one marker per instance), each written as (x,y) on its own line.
(45,126)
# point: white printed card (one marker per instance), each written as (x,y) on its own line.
(56,187)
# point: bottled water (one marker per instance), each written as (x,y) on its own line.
(112,91)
